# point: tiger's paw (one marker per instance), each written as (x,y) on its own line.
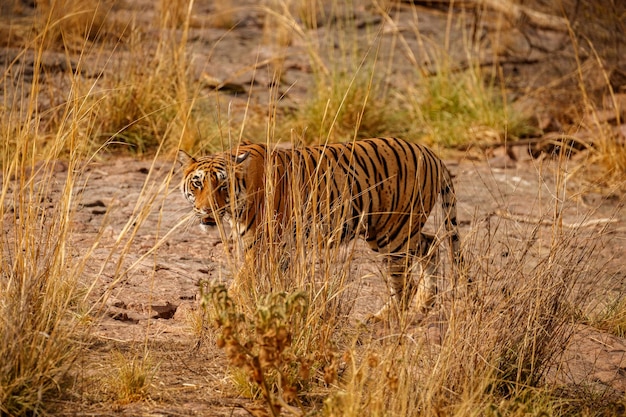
(393,311)
(386,314)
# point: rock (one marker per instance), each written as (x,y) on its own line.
(166,311)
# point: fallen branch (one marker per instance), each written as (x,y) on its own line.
(497,144)
(549,144)
(515,13)
(505,214)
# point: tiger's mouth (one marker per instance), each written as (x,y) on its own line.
(207,221)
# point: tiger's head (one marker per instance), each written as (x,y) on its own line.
(212,184)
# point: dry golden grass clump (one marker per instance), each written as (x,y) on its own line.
(132,377)
(40,292)
(68,24)
(44,316)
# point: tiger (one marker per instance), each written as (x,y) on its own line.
(380,189)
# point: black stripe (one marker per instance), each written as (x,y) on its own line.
(381,160)
(398,163)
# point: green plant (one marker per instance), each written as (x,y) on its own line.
(453,109)
(613,317)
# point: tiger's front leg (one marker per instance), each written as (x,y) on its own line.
(245,252)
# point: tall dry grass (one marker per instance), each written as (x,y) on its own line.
(68,23)
(46,306)
(38,286)
(491,348)
(284,320)
(40,292)
(609,152)
(351,97)
(149,99)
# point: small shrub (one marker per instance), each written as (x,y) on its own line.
(613,317)
(261,345)
(132,377)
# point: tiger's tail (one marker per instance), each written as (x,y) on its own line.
(448,203)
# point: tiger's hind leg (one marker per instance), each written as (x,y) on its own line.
(403,288)
(427,286)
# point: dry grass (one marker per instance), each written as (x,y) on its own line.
(609,152)
(148,100)
(348,97)
(461,109)
(40,292)
(138,109)
(71,21)
(351,97)
(497,341)
(613,317)
(43,299)
(132,377)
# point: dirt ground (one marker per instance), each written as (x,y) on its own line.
(155,302)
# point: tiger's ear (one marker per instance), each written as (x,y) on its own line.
(184,158)
(237,159)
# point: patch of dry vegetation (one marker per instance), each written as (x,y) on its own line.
(43,298)
(490,348)
(613,317)
(132,377)
(351,98)
(40,293)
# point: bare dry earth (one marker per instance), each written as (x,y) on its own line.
(154,303)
